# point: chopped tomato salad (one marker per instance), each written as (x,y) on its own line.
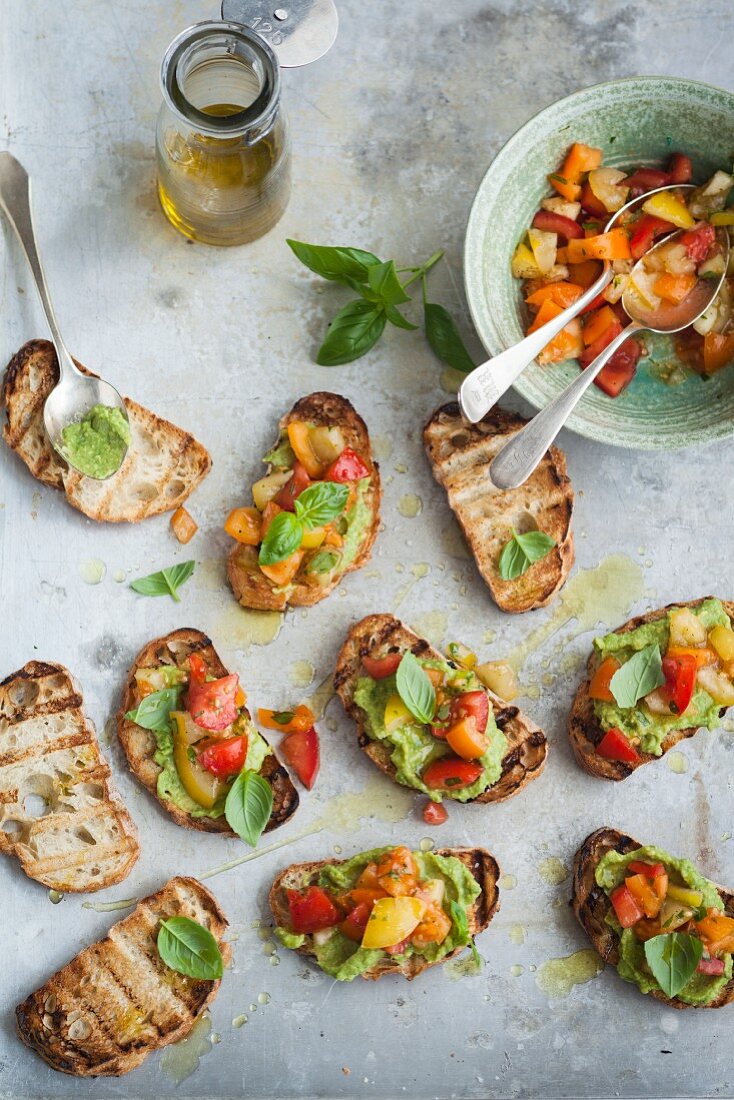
(300,747)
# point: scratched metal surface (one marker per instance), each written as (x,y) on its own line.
(393,131)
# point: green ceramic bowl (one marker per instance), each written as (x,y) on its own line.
(636,121)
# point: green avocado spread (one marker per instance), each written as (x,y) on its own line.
(413,745)
(638,721)
(344,960)
(632,966)
(97,443)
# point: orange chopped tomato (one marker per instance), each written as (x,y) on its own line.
(598,323)
(600,681)
(240,699)
(299,438)
(564,187)
(547,312)
(333,538)
(467,740)
(243,524)
(360,895)
(702,655)
(183,524)
(283,572)
(270,511)
(368,878)
(567,344)
(644,893)
(561,294)
(674,288)
(579,159)
(718,351)
(613,245)
(434,927)
(397,873)
(289,721)
(717,932)
(586,273)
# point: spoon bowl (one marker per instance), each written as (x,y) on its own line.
(75,393)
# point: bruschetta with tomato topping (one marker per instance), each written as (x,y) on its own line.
(315,513)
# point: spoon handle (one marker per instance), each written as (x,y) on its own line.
(15,201)
(482,389)
(515,462)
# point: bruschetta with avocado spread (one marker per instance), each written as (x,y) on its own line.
(386,911)
(663,925)
(653,682)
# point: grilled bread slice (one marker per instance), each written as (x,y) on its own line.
(85,840)
(584,728)
(105,1011)
(162,467)
(378,635)
(590,905)
(251,587)
(460,454)
(482,865)
(140,744)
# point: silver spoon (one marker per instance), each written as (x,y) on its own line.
(75,393)
(515,462)
(483,387)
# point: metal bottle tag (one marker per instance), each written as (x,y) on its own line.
(299,31)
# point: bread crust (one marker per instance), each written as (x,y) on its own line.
(590,905)
(140,744)
(107,1009)
(460,455)
(377,635)
(584,729)
(483,866)
(250,586)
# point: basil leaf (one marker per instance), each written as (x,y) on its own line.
(673,959)
(396,318)
(415,689)
(324,562)
(248,806)
(282,539)
(189,948)
(165,583)
(154,711)
(522,551)
(339,265)
(283,717)
(354,330)
(638,676)
(320,503)
(460,919)
(383,279)
(443,336)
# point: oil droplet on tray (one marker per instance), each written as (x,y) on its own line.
(451,380)
(319,700)
(382,447)
(109,906)
(378,800)
(302,673)
(553,871)
(507,882)
(55,897)
(239,1020)
(420,569)
(677,762)
(274,960)
(426,845)
(263,998)
(432,626)
(92,570)
(410,505)
(516,970)
(118,576)
(466,966)
(557,977)
(237,628)
(517,934)
(181,1059)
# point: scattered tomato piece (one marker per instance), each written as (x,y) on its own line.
(379,668)
(435,813)
(311,910)
(615,746)
(223,756)
(184,525)
(347,467)
(287,721)
(301,751)
(600,681)
(244,525)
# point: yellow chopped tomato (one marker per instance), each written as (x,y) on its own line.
(299,438)
(396,712)
(198,783)
(183,525)
(670,208)
(283,572)
(722,639)
(313,538)
(243,524)
(391,921)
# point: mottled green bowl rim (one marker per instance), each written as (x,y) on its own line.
(635,120)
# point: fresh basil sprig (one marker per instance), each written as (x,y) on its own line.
(673,959)
(154,711)
(360,324)
(522,551)
(189,948)
(165,583)
(248,806)
(316,506)
(415,688)
(460,919)
(638,676)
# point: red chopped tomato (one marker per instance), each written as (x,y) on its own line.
(301,751)
(626,907)
(223,757)
(680,680)
(649,870)
(698,241)
(379,668)
(397,948)
(347,467)
(645,179)
(300,480)
(680,168)
(550,222)
(617,374)
(590,353)
(472,704)
(311,910)
(615,746)
(600,300)
(590,204)
(212,704)
(451,773)
(644,233)
(710,966)
(434,813)
(354,925)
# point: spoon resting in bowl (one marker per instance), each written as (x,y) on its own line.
(515,462)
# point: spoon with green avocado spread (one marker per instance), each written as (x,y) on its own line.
(84,416)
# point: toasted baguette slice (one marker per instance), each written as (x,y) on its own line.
(482,865)
(251,587)
(162,467)
(378,635)
(140,744)
(105,1011)
(85,840)
(591,905)
(583,726)
(460,455)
